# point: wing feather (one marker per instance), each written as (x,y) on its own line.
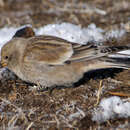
(56,51)
(89,52)
(48,50)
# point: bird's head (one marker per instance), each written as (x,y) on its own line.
(10,53)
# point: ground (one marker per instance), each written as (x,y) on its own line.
(65,108)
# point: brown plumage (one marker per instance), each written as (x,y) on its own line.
(51,61)
(25,32)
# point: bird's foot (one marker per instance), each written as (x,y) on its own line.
(38,87)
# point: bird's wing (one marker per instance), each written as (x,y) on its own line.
(56,51)
(48,50)
(90,51)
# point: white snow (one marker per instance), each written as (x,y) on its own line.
(73,33)
(110,108)
(6,34)
(115,33)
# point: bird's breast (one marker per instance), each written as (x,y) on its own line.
(47,75)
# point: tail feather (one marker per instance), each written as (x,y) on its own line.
(90,52)
(117,62)
(107,62)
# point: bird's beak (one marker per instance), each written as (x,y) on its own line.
(3,64)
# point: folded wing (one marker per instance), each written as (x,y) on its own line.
(48,50)
(90,51)
(56,51)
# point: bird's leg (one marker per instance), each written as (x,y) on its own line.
(36,87)
(39,87)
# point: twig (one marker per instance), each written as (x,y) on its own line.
(119,94)
(99,93)
(29,126)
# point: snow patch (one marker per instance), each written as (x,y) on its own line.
(110,108)
(73,33)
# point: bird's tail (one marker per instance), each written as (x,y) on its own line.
(116,62)
(114,58)
(108,62)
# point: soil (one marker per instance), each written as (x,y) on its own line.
(22,108)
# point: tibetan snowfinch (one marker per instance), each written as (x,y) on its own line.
(50,61)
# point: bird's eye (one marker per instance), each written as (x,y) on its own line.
(6,57)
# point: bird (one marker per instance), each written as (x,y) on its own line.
(50,61)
